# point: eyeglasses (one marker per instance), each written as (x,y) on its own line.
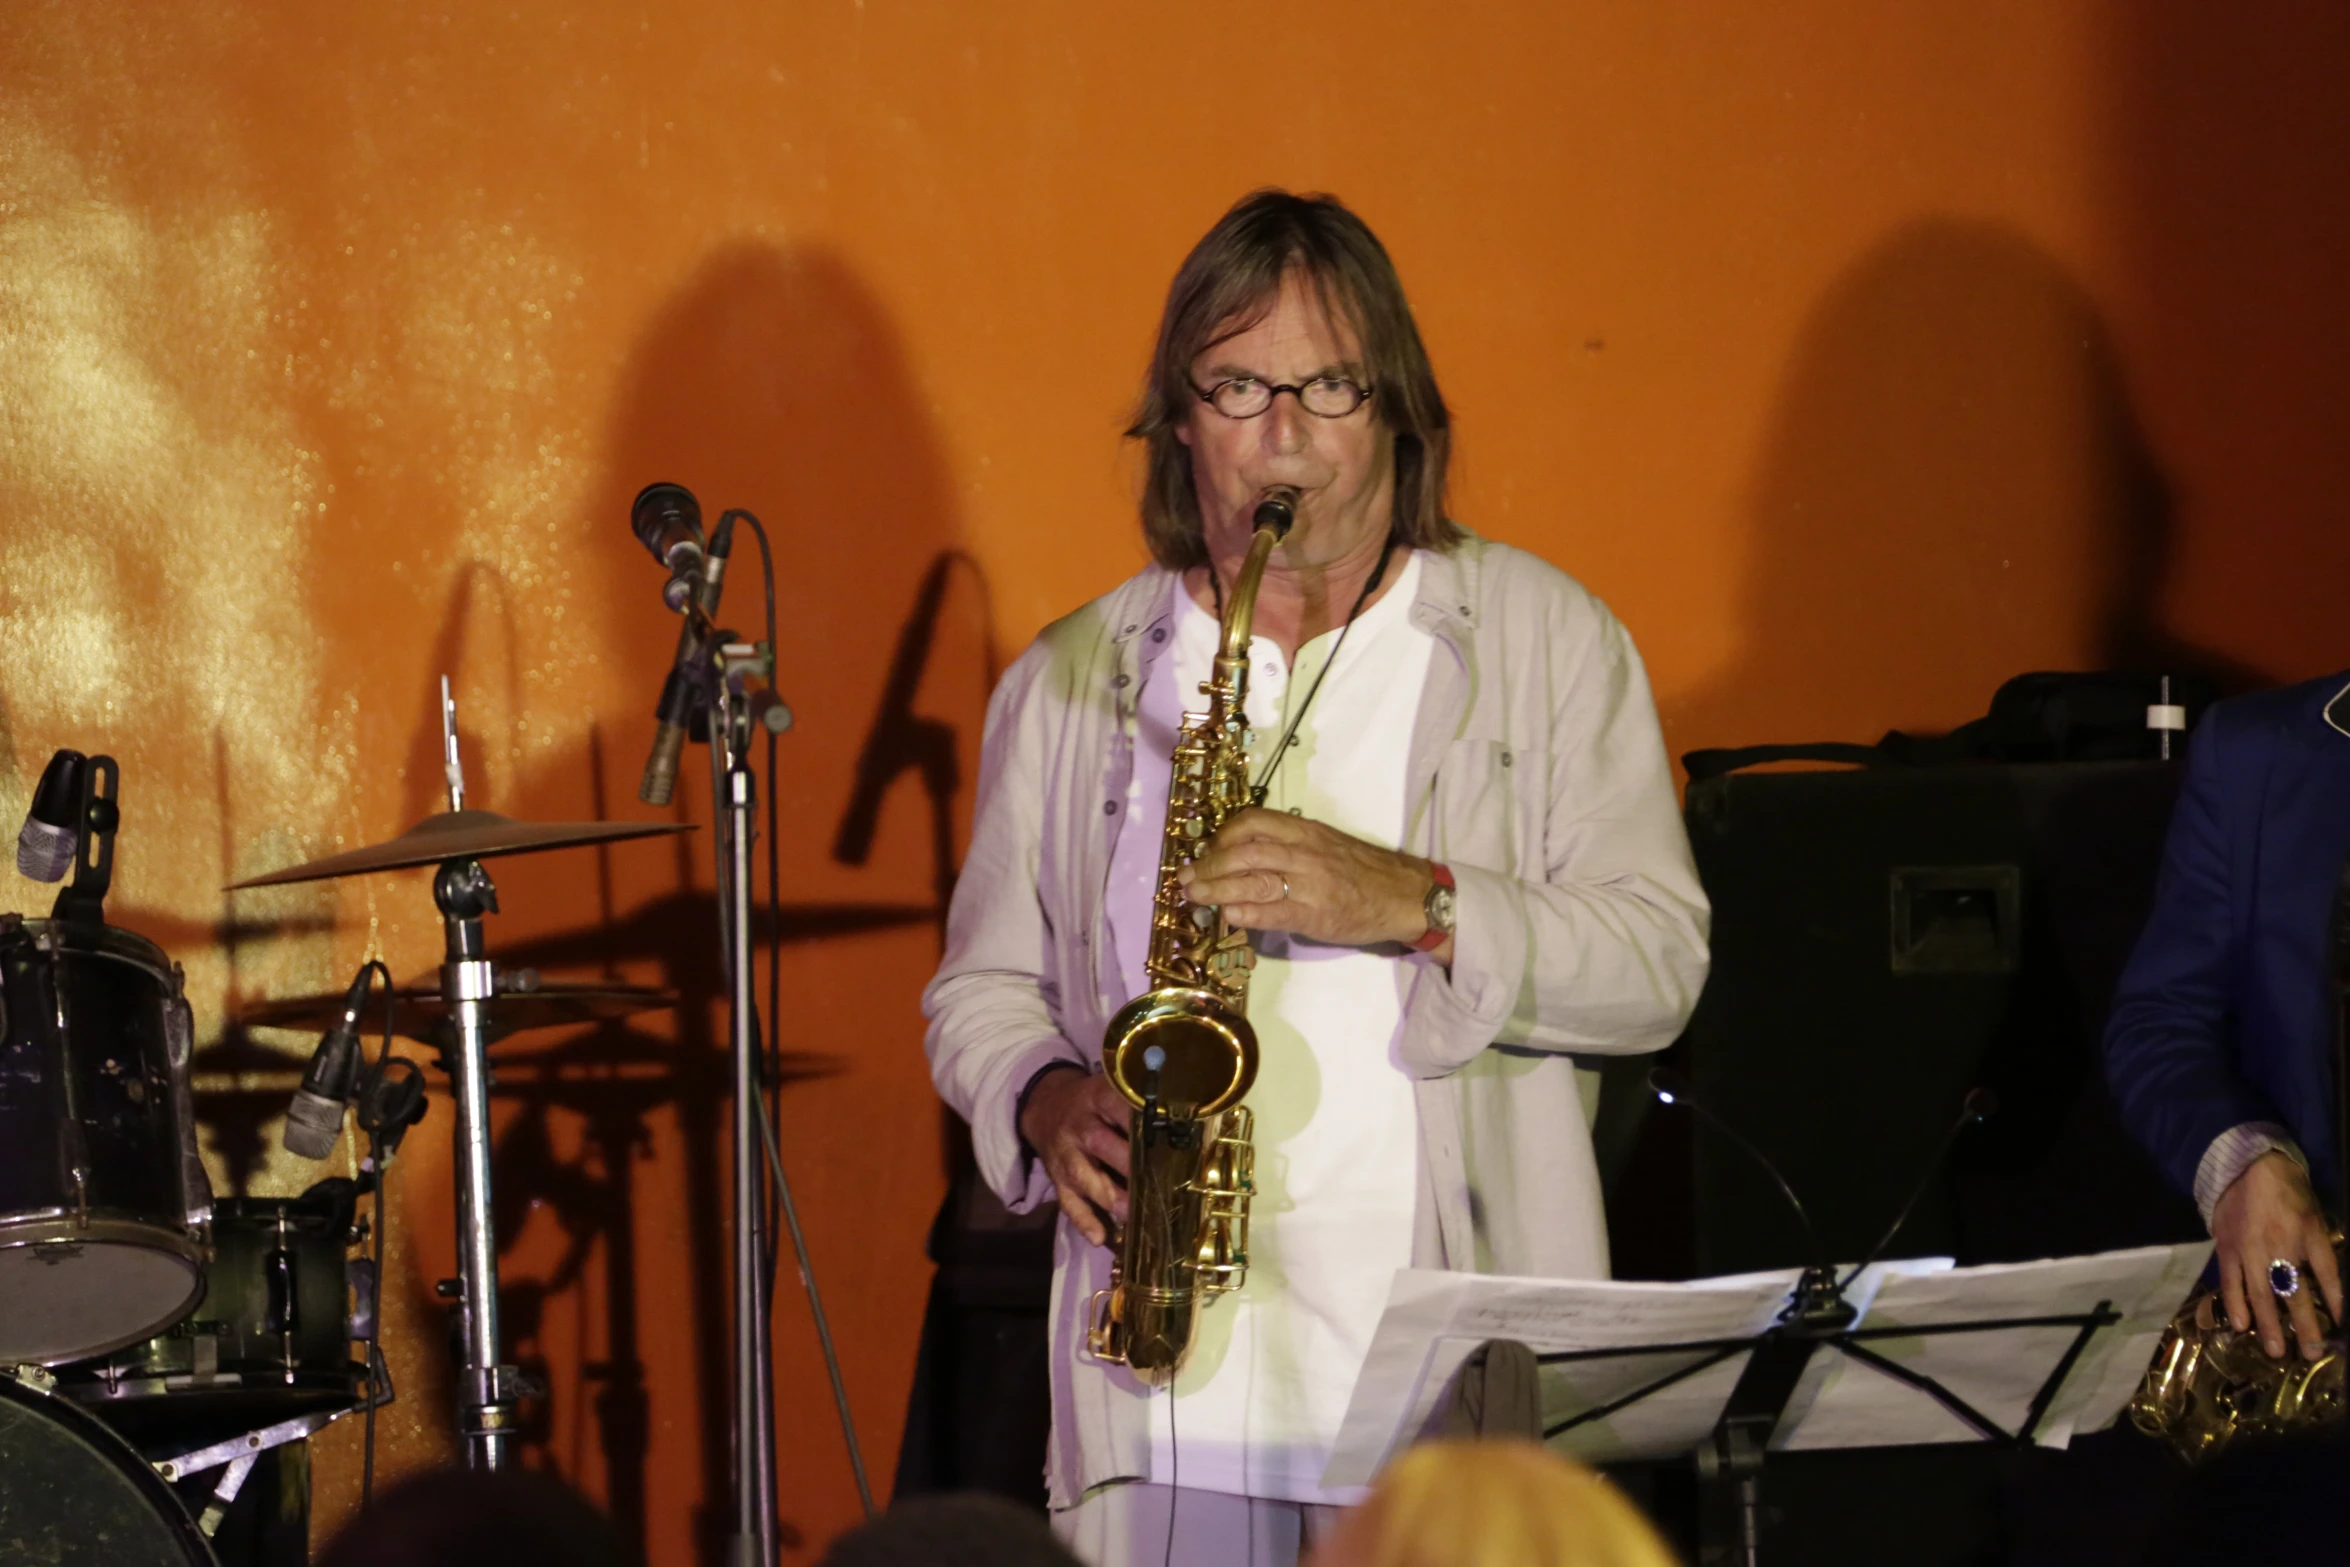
(1325,397)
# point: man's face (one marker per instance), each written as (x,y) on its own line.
(1344,468)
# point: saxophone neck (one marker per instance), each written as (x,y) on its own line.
(1274,515)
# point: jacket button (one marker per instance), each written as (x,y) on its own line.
(1464,610)
(1109,807)
(1505,759)
(1130,630)
(1121,682)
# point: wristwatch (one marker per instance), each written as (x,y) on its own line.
(1437,906)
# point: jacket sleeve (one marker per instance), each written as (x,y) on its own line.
(2168,1037)
(1603,950)
(992,1007)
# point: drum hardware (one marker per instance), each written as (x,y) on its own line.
(520,1002)
(81,903)
(467,1007)
(235,1457)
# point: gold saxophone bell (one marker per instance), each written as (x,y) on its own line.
(1182,1053)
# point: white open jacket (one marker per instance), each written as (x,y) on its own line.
(1536,771)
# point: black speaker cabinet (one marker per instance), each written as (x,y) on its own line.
(1884,940)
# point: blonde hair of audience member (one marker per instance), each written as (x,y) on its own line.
(1492,1504)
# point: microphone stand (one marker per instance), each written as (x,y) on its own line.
(1730,1463)
(723,711)
(736,793)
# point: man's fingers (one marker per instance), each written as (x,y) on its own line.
(2303,1311)
(2264,1308)
(1106,1147)
(1240,886)
(1080,1213)
(2231,1293)
(1256,824)
(1078,1175)
(1224,861)
(2322,1267)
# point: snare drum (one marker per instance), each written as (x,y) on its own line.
(271,1338)
(103,1198)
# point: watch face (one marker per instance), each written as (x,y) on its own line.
(1440,908)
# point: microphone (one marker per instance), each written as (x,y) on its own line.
(1979,1105)
(1671,1088)
(667,520)
(314,1121)
(681,693)
(1278,510)
(52,831)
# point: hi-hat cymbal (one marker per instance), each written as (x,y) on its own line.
(420,1013)
(460,835)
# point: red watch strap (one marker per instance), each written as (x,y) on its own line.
(1432,938)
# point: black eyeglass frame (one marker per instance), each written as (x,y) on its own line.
(1275,389)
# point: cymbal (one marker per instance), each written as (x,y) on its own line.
(460,835)
(420,1013)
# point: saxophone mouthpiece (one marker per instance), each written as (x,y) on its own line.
(1278,510)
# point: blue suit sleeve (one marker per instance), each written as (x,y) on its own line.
(2169,1037)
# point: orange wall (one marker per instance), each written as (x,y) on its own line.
(1860,355)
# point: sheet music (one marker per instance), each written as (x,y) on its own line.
(1435,1319)
(1843,1402)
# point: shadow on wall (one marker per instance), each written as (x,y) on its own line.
(2227,143)
(775,380)
(1956,491)
(772,380)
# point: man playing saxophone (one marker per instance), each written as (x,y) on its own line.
(1465,869)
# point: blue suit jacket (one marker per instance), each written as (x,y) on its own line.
(2223,1015)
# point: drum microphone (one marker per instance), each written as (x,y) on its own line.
(667,520)
(51,835)
(680,694)
(314,1121)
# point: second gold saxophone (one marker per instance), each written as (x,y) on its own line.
(1182,1053)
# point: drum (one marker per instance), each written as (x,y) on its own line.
(270,1340)
(102,1195)
(73,1494)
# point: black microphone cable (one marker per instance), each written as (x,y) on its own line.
(391,1099)
(1671,1088)
(1979,1105)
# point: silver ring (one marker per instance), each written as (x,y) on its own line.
(1284,884)
(2284,1278)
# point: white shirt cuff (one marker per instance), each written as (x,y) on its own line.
(2231,1153)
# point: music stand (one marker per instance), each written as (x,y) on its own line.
(1732,1396)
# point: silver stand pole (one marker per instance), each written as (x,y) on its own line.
(462,890)
(754,1416)
(485,1388)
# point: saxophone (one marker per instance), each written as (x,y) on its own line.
(2210,1384)
(1182,1053)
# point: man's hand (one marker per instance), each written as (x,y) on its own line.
(2269,1213)
(1077,1124)
(1274,871)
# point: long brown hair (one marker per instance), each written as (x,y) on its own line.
(1225,285)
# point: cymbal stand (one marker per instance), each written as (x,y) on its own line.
(462,890)
(731,718)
